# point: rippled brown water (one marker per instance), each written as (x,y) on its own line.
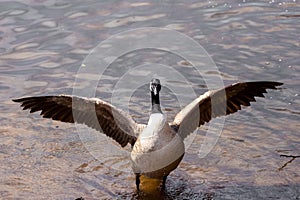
(43,44)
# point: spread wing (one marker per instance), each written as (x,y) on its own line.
(93,112)
(219,103)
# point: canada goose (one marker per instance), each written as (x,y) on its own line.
(157,148)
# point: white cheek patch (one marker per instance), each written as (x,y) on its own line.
(155,91)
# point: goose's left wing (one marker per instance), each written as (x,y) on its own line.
(219,103)
(93,112)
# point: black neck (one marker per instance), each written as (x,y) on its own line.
(155,103)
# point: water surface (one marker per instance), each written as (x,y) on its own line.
(43,44)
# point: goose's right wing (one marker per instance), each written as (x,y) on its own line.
(219,103)
(93,112)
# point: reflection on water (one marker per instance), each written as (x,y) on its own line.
(43,44)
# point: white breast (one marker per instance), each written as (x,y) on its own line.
(157,146)
(155,125)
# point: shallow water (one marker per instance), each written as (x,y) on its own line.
(43,44)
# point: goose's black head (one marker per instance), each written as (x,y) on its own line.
(155,86)
(155,89)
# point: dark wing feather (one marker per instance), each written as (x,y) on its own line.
(219,103)
(95,113)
